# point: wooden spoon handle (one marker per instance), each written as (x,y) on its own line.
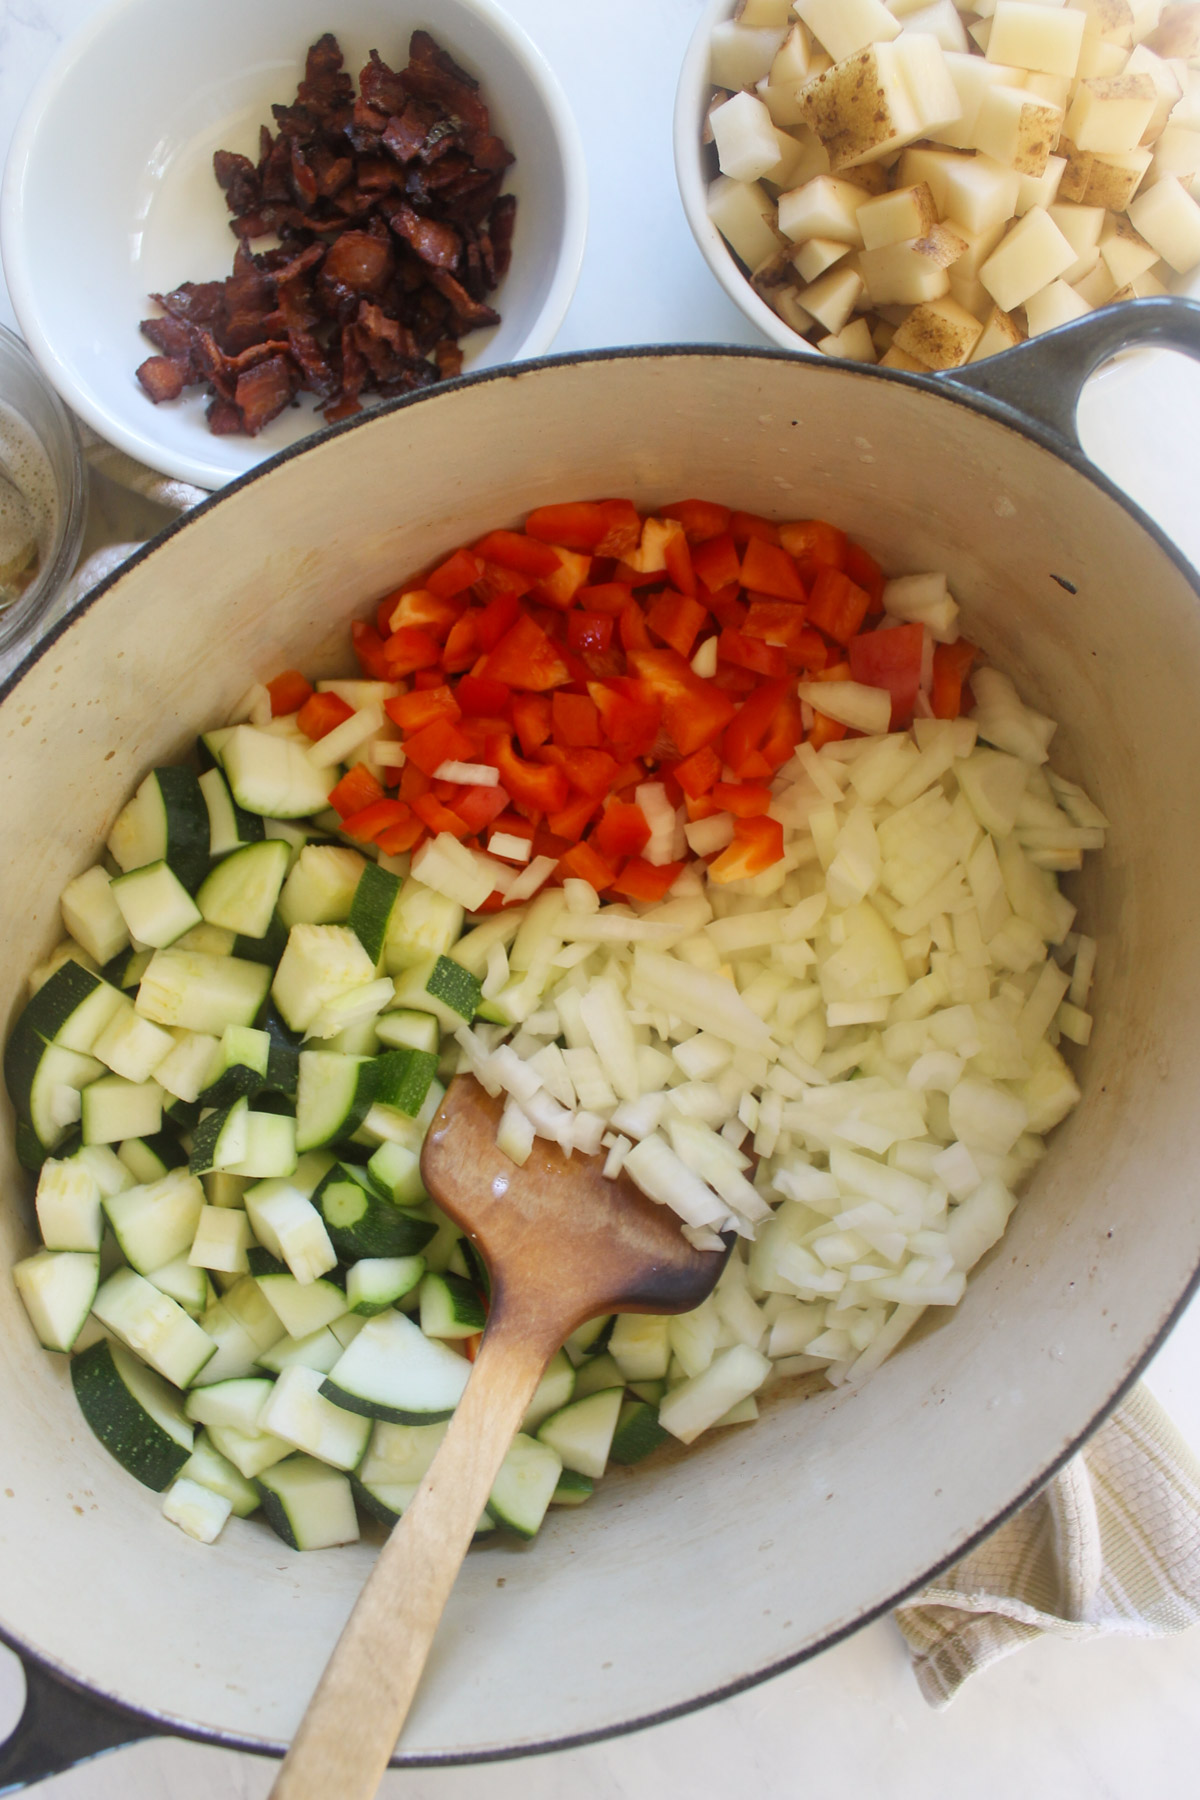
(349,1731)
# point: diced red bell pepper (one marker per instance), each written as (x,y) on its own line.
(951,666)
(438,742)
(408,649)
(611,597)
(751,653)
(421,707)
(781,623)
(745,525)
(695,711)
(533,720)
(866,573)
(590,772)
(560,588)
(744,736)
(700,806)
(413,783)
(727,609)
(640,880)
(606,527)
(825,730)
(538,785)
(589,633)
(480,698)
(676,619)
(697,773)
(498,583)
(357,789)
(632,629)
(456,574)
(288,692)
(320,713)
(435,814)
(744,799)
(496,620)
(515,550)
(629,714)
(757,843)
(585,864)
(623,831)
(526,658)
(417,606)
(785,732)
(462,644)
(891,659)
(572,820)
(815,544)
(837,606)
(732,679)
(768,569)
(368,648)
(478,806)
(701,519)
(366,825)
(576,721)
(679,561)
(717,563)
(399,838)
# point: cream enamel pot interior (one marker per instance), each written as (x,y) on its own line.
(681,1582)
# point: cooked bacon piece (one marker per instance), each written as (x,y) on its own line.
(162,378)
(435,243)
(263,392)
(391,234)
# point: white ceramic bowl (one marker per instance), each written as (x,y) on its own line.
(693,175)
(109,194)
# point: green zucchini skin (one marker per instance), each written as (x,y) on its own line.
(127,1432)
(377,1227)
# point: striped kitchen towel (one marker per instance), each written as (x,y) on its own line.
(1110,1546)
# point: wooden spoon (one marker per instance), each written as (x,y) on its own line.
(562,1245)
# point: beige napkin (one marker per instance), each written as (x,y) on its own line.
(1112,1544)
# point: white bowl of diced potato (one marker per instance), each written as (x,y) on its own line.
(924,183)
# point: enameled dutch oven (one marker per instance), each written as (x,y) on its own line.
(679,1583)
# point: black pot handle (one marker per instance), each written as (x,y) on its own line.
(1043,378)
(60,1727)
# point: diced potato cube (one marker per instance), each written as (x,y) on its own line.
(853,342)
(783,103)
(1110,115)
(933,93)
(934,167)
(802,156)
(1081,226)
(1054,88)
(1035,37)
(980,192)
(970,293)
(1034,253)
(738,55)
(1169,220)
(1143,287)
(824,207)
(871,177)
(1113,179)
(793,59)
(1111,19)
(833,297)
(844,26)
(1041,190)
(907,212)
(900,359)
(1178,32)
(741,211)
(862,106)
(764,13)
(1015,128)
(817,254)
(1098,288)
(1125,253)
(1167,87)
(978,247)
(972,76)
(942,244)
(1000,332)
(1177,152)
(746,140)
(1053,305)
(940,332)
(899,275)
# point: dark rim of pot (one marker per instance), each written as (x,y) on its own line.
(145,1722)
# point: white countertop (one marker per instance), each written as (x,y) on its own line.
(1104,1721)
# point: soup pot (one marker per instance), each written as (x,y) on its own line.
(760,1547)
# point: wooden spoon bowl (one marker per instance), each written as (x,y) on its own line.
(562,1244)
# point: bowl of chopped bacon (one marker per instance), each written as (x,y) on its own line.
(306,210)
